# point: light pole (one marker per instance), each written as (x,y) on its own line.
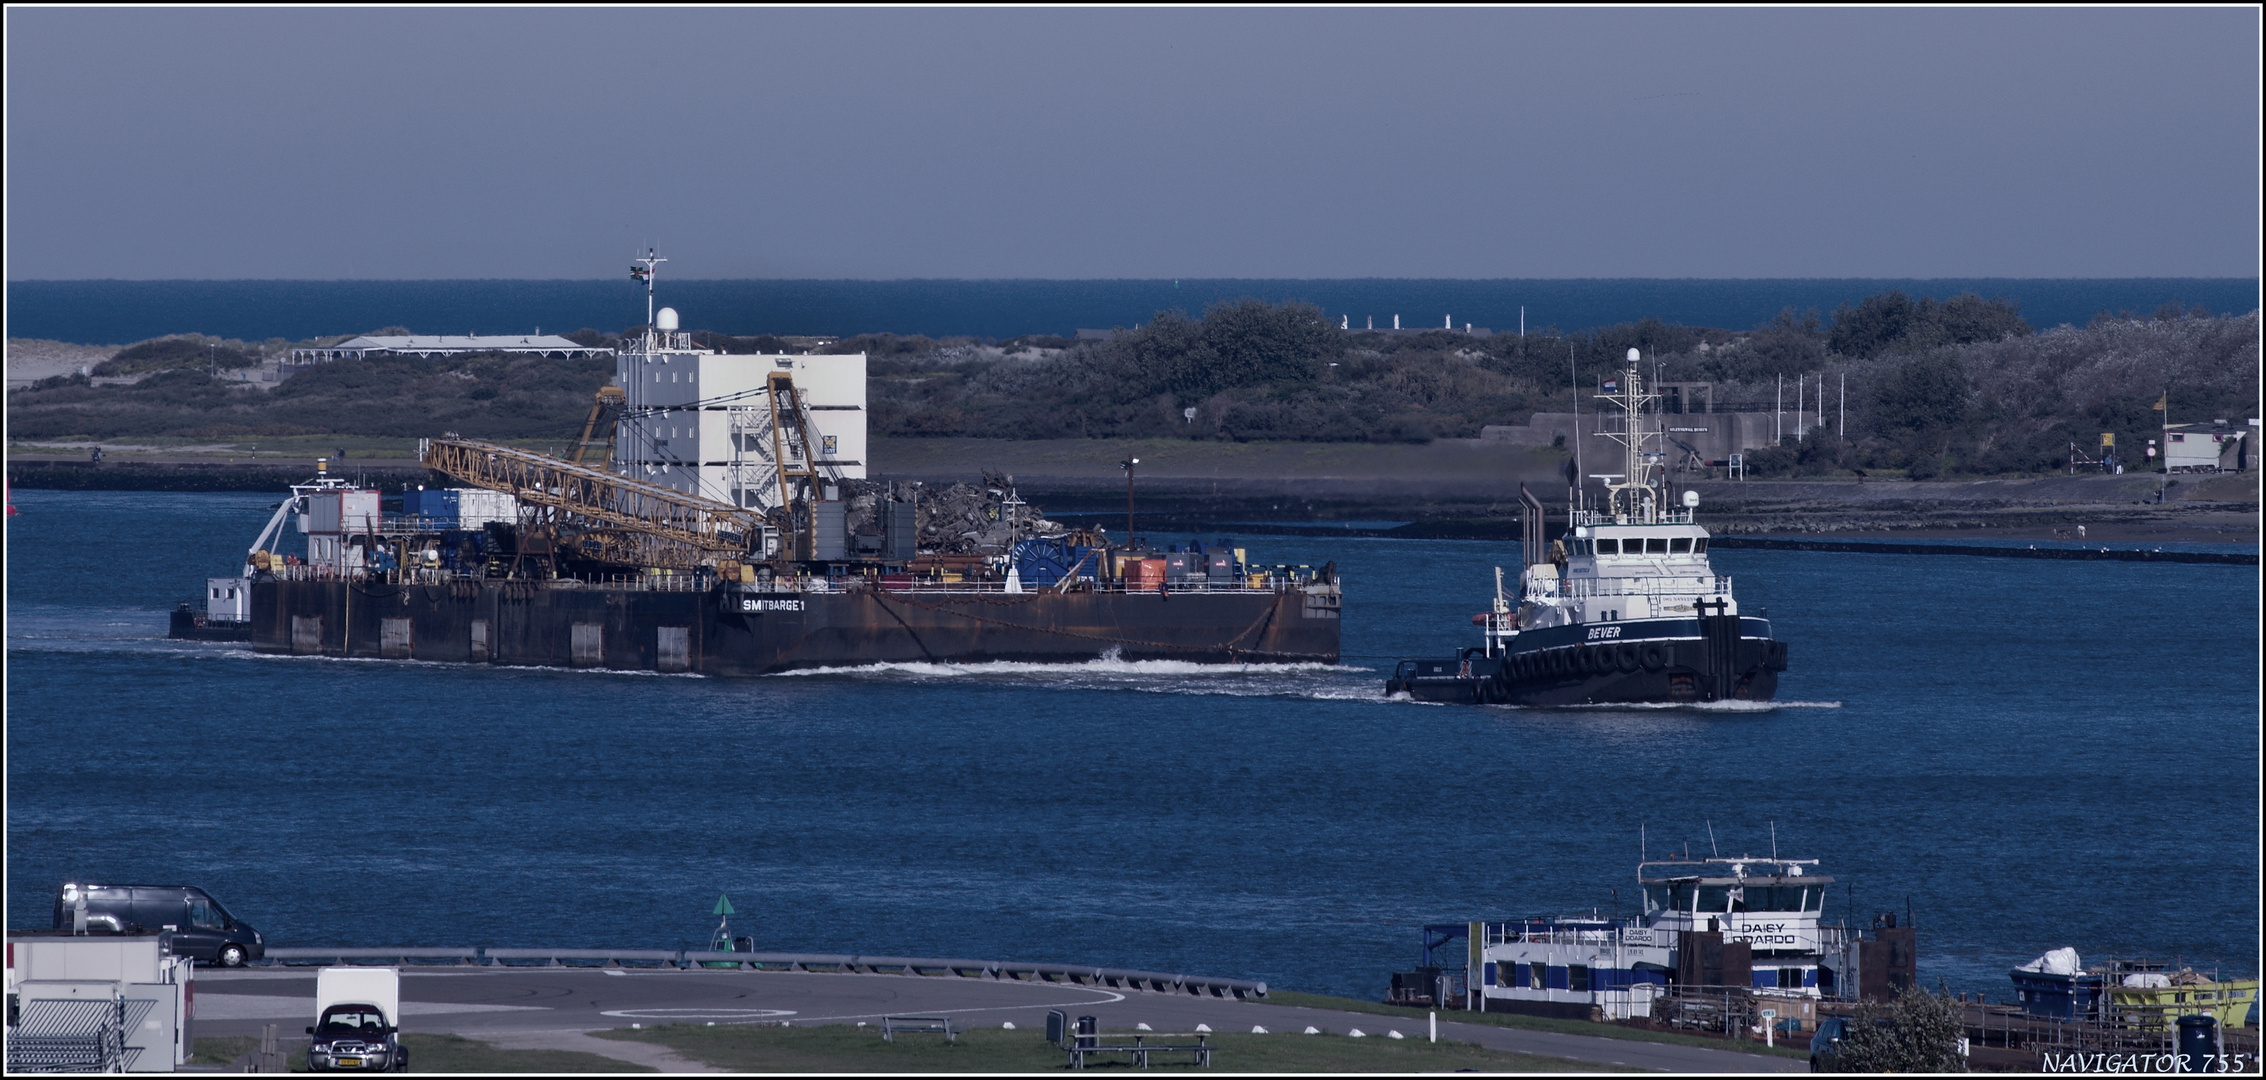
(1128,465)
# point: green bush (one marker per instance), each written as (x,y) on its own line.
(1917,1033)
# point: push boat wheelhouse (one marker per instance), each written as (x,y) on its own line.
(1623,607)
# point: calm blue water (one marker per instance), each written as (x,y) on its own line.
(116,312)
(2032,754)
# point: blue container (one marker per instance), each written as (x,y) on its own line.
(437,505)
(2057,997)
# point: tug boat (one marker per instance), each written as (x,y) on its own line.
(1622,608)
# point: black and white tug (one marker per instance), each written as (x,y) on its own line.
(1622,608)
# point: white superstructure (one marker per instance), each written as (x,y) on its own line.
(725,426)
(1748,924)
(705,423)
(1639,557)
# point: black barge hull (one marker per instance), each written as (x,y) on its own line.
(187,625)
(731,632)
(1659,661)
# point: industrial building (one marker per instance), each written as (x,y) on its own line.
(431,345)
(725,426)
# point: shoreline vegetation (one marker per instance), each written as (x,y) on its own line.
(1957,389)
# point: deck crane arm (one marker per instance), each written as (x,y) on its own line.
(609,399)
(628,519)
(260,544)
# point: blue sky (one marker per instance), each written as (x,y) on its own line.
(1112,143)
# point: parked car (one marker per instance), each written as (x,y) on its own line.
(358,1021)
(1826,1044)
(202,929)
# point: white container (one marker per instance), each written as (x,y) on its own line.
(380,987)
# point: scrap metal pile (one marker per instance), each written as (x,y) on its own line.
(959,519)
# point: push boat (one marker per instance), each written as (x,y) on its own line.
(1622,608)
(1750,927)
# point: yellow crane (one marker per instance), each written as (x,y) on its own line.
(605,407)
(601,515)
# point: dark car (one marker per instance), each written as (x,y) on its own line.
(202,929)
(1826,1044)
(355,1037)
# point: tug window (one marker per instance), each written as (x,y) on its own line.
(1540,974)
(1657,545)
(1608,546)
(1681,545)
(1699,546)
(1789,978)
(1577,978)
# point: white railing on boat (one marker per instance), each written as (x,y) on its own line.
(1712,585)
(1670,516)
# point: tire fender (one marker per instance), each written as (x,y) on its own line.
(1653,656)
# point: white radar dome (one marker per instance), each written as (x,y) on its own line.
(1691,499)
(1632,356)
(665,319)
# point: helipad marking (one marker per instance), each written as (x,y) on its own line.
(698,1014)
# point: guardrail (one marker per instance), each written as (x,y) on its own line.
(1148,982)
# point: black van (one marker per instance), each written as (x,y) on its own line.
(202,929)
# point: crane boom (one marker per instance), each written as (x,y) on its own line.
(598,500)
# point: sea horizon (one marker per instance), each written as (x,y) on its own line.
(117,311)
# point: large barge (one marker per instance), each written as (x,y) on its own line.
(729,530)
(716,628)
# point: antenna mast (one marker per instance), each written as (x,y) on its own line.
(643,271)
(1632,500)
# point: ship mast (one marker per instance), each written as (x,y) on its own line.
(1630,497)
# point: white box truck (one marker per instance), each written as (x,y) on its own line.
(357,1021)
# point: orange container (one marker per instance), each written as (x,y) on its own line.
(1147,574)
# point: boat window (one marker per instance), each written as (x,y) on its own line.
(1790,978)
(1657,545)
(1714,898)
(1699,546)
(1681,545)
(1608,546)
(1776,898)
(1538,974)
(1577,978)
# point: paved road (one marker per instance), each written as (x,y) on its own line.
(553,1006)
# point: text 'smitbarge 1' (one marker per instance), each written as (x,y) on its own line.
(1623,608)
(729,532)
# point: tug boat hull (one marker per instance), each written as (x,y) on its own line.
(1713,658)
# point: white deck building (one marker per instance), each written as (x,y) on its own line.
(702,421)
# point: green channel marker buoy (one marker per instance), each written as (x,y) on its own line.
(721,940)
